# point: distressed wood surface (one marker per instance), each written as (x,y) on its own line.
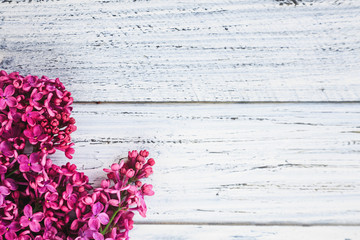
(171,232)
(242,164)
(133,51)
(237,166)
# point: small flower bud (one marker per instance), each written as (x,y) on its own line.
(144,153)
(81,189)
(138,165)
(115,167)
(105,183)
(130,173)
(140,159)
(151,162)
(138,183)
(54,122)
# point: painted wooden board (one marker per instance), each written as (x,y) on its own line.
(242,164)
(171,232)
(134,51)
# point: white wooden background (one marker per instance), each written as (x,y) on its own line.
(251,107)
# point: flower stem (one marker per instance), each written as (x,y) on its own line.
(8,175)
(103,232)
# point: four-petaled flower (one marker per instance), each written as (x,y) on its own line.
(35,135)
(31,117)
(6,97)
(10,230)
(98,216)
(85,234)
(5,149)
(69,196)
(31,220)
(31,163)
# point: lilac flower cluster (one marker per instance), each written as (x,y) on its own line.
(40,200)
(36,111)
(107,213)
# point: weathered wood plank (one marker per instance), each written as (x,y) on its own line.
(248,50)
(148,232)
(234,163)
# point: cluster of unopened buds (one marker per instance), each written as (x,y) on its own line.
(40,200)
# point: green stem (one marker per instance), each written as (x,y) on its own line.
(103,232)
(6,176)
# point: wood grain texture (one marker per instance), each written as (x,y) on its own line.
(187,50)
(242,164)
(171,232)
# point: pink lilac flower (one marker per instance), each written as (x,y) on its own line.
(31,81)
(98,216)
(6,97)
(51,200)
(31,117)
(19,143)
(31,163)
(50,231)
(45,185)
(47,147)
(10,211)
(5,149)
(85,234)
(35,97)
(10,230)
(35,121)
(31,220)
(69,196)
(35,134)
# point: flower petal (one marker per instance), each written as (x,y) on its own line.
(51,188)
(15,226)
(69,188)
(35,226)
(98,236)
(104,218)
(37,130)
(2,104)
(11,102)
(28,133)
(23,159)
(24,221)
(9,90)
(114,202)
(42,138)
(4,190)
(97,208)
(36,167)
(10,235)
(28,211)
(31,121)
(24,168)
(2,230)
(94,223)
(74,225)
(38,216)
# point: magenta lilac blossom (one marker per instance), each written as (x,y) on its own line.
(40,200)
